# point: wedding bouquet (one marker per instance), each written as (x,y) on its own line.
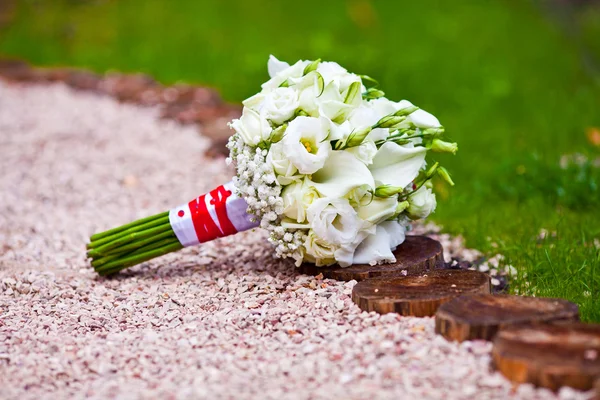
(332,169)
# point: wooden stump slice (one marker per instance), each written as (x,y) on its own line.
(416,255)
(549,355)
(480,316)
(418,296)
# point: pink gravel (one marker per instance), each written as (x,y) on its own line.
(221,320)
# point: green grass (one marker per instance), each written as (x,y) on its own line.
(509,84)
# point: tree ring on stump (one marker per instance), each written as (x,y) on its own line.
(416,255)
(418,296)
(481,316)
(551,355)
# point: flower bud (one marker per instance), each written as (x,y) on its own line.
(432,170)
(357,137)
(435,132)
(403,205)
(353,93)
(372,94)
(389,121)
(443,173)
(277,134)
(440,146)
(312,66)
(387,190)
(406,111)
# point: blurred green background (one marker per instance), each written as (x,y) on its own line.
(515,82)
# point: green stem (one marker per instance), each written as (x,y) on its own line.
(131,246)
(118,235)
(97,262)
(103,250)
(127,226)
(116,266)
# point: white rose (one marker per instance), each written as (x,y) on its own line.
(365,152)
(378,247)
(379,209)
(251,127)
(318,250)
(297,197)
(284,169)
(334,220)
(280,105)
(305,144)
(280,71)
(422,203)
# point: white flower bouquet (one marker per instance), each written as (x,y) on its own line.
(332,169)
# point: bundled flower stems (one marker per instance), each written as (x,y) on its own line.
(333,170)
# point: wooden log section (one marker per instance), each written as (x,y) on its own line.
(416,255)
(551,355)
(418,296)
(480,316)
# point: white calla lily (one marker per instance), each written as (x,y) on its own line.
(397,165)
(379,209)
(423,119)
(275,67)
(281,71)
(341,173)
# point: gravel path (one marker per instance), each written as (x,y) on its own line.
(222,320)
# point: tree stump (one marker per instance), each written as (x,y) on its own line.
(416,255)
(549,355)
(480,316)
(418,296)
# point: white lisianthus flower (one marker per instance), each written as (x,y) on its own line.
(377,248)
(422,203)
(285,171)
(251,127)
(297,197)
(280,105)
(321,251)
(305,144)
(280,71)
(379,209)
(334,220)
(397,165)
